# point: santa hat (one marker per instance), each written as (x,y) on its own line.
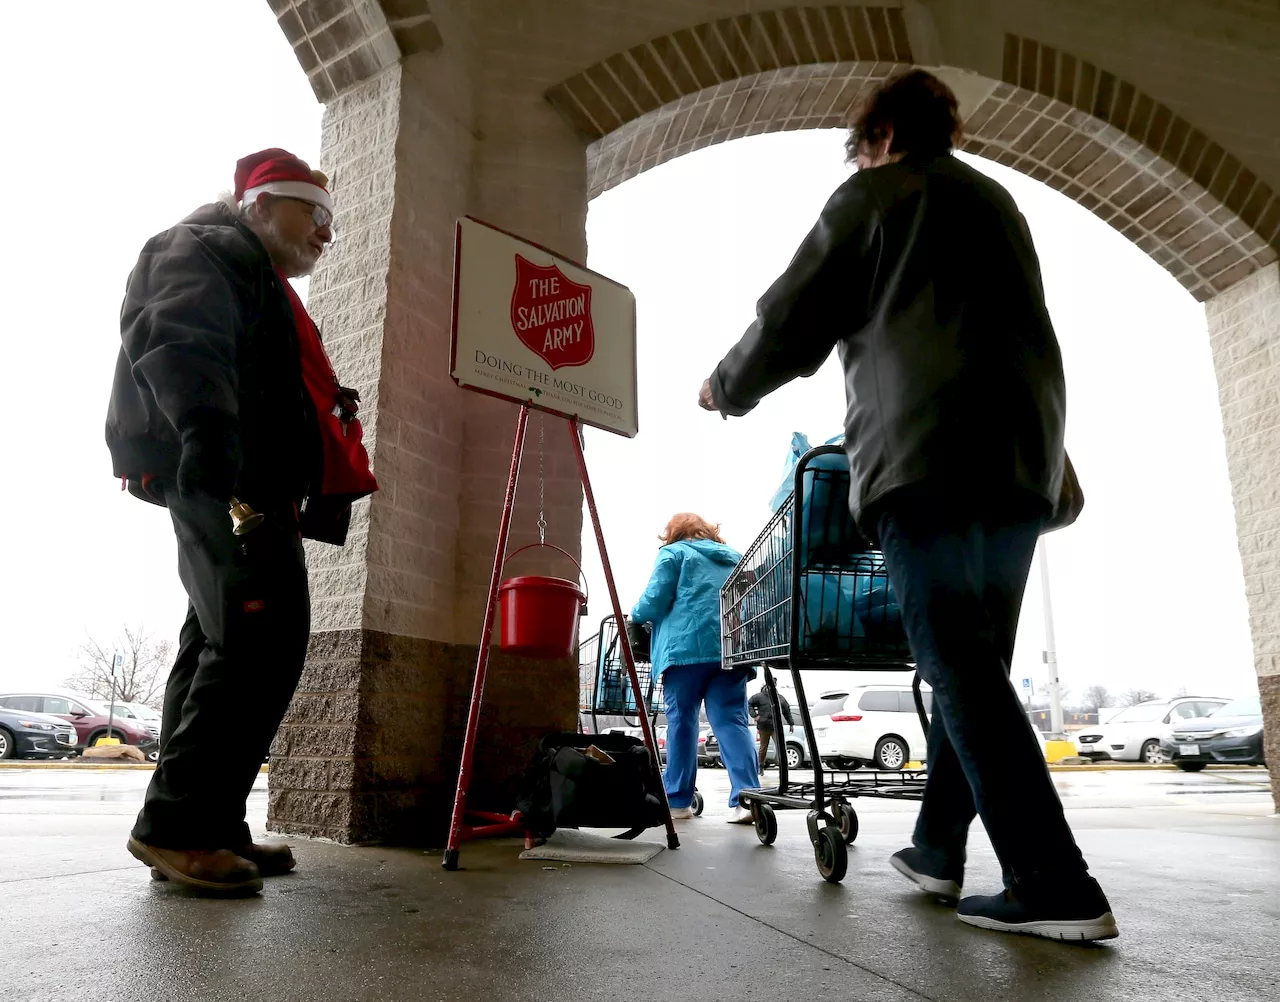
(279,172)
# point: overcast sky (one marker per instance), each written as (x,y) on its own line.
(142,118)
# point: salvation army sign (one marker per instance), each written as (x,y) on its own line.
(552,314)
(535,328)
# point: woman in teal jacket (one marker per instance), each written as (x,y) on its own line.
(682,602)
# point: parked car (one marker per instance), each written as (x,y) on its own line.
(88,717)
(704,735)
(34,735)
(793,740)
(1231,734)
(1135,733)
(148,717)
(141,712)
(874,725)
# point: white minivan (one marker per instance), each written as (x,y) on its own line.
(874,725)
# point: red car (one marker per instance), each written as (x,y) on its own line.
(87,716)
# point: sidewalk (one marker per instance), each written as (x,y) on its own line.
(1194,882)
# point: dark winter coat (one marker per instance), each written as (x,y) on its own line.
(923,276)
(208,387)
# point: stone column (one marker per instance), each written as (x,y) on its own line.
(371,746)
(1244,330)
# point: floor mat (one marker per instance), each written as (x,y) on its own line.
(569,845)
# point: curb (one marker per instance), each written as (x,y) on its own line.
(85,766)
(1053,767)
(1140,767)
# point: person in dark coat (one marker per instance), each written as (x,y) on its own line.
(921,273)
(224,396)
(761,709)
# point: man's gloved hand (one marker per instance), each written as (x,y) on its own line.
(210,460)
(349,399)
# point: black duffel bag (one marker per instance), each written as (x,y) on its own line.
(567,788)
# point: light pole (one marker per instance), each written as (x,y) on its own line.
(1051,651)
(116,664)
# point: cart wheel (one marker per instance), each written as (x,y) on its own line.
(766,824)
(847,821)
(831,855)
(698,804)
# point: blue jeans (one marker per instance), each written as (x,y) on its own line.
(684,689)
(960,581)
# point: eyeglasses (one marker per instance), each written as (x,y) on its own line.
(321,216)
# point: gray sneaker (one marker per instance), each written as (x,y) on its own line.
(944,883)
(1079,913)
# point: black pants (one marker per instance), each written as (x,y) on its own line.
(959,581)
(240,656)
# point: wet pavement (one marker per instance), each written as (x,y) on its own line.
(1191,863)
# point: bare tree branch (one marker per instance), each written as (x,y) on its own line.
(1135,696)
(142,677)
(1095,698)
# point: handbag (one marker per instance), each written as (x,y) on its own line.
(641,639)
(1070,499)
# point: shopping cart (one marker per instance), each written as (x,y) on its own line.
(810,593)
(605,691)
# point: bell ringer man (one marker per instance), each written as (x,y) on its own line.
(223,396)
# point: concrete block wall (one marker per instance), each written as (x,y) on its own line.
(1244,331)
(348,299)
(370,748)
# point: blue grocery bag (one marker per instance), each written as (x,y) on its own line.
(827,622)
(875,607)
(799,446)
(851,610)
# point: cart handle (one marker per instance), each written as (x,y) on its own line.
(586,594)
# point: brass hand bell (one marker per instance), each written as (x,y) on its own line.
(243,518)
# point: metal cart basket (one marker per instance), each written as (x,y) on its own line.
(810,593)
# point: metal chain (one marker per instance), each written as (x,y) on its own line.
(542,483)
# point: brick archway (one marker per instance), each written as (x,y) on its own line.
(1178,195)
(438,108)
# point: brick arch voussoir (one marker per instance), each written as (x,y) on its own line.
(1163,183)
(801,97)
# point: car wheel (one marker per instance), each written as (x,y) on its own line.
(1151,753)
(891,753)
(154,754)
(1190,766)
(795,756)
(8,747)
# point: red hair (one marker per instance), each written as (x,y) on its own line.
(687,525)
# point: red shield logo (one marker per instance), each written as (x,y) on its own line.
(551,315)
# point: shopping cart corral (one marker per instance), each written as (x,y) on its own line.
(605,690)
(810,593)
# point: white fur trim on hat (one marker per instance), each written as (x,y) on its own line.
(291,189)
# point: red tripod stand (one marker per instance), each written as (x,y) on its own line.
(465,824)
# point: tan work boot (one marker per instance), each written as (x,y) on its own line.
(209,871)
(271,858)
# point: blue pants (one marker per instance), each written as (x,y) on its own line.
(684,689)
(959,581)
